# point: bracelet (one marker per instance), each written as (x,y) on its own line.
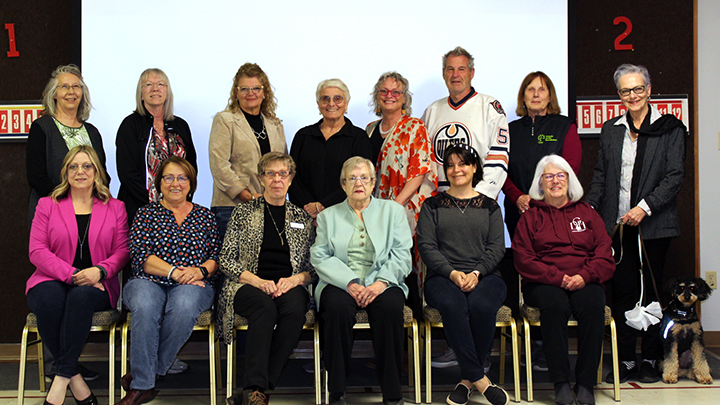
(169,276)
(103,272)
(204,271)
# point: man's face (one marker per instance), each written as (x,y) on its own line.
(457,75)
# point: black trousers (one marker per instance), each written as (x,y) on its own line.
(274,328)
(385,313)
(64,315)
(626,292)
(556,304)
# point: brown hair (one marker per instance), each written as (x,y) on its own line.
(186,166)
(553,107)
(269,103)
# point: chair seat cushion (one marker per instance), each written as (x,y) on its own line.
(101,318)
(362,315)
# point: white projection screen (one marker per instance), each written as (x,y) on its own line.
(201,44)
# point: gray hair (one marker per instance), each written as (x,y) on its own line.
(354,162)
(406,92)
(48,95)
(332,83)
(459,51)
(272,157)
(628,68)
(575,189)
(167,107)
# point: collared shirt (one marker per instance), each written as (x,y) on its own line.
(629,152)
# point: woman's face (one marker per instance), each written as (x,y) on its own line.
(69,93)
(332,103)
(358,183)
(175,184)
(459,174)
(637,99)
(250,94)
(537,97)
(554,188)
(390,97)
(154,91)
(276,186)
(81,172)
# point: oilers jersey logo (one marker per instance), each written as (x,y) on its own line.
(448,135)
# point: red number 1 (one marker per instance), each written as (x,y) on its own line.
(13,52)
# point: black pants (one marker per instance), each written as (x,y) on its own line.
(274,328)
(385,313)
(626,292)
(587,305)
(64,315)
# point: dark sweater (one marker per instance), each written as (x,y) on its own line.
(449,239)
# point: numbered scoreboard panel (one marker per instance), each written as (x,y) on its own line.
(16,119)
(592,112)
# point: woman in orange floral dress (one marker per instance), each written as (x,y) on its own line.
(405,165)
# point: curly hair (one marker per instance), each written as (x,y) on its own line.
(399,79)
(269,103)
(48,95)
(100,188)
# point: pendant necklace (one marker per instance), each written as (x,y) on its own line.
(84,239)
(275,225)
(262,134)
(462,210)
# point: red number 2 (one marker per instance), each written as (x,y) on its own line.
(628,29)
(13,52)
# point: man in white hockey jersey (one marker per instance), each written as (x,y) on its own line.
(466,116)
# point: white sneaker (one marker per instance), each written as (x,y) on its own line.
(447,359)
(177,367)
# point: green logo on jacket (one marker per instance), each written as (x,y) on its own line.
(546,138)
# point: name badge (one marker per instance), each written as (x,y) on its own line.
(297,225)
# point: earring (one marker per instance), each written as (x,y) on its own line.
(377,110)
(403,111)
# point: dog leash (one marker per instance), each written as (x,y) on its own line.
(642,253)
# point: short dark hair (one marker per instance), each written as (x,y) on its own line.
(468,156)
(186,166)
(553,106)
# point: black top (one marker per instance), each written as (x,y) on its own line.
(82,253)
(131,157)
(274,257)
(319,162)
(258,126)
(376,142)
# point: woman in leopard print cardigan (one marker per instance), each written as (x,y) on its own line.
(266,261)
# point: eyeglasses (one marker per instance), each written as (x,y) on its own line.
(85,166)
(67,87)
(170,179)
(284,174)
(325,100)
(562,176)
(639,90)
(159,85)
(245,90)
(394,93)
(363,179)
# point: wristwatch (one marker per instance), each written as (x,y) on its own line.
(204,271)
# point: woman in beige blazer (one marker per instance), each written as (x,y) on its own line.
(240,135)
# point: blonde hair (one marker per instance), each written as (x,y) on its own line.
(167,107)
(100,189)
(269,103)
(399,79)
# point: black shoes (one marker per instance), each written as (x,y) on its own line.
(460,395)
(648,372)
(496,395)
(585,395)
(563,394)
(627,370)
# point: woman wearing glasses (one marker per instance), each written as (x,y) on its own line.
(266,261)
(147,137)
(362,256)
(562,251)
(78,242)
(242,133)
(639,171)
(174,248)
(66,108)
(319,150)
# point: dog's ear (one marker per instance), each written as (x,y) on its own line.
(703,290)
(671,286)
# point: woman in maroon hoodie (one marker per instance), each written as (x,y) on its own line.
(563,252)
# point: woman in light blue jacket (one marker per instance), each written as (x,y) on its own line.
(362,256)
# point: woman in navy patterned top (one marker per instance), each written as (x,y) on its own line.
(174,249)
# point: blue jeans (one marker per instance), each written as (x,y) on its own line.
(469,318)
(163,318)
(64,315)
(222,217)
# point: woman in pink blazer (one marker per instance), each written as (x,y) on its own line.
(79,243)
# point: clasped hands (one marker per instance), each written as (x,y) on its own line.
(274,289)
(188,275)
(572,283)
(364,296)
(88,277)
(466,281)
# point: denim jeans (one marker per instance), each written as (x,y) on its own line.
(222,217)
(64,315)
(163,317)
(469,318)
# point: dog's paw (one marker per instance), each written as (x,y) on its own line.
(704,380)
(670,379)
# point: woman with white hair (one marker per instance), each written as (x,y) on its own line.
(319,150)
(563,253)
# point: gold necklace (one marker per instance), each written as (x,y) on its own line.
(275,225)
